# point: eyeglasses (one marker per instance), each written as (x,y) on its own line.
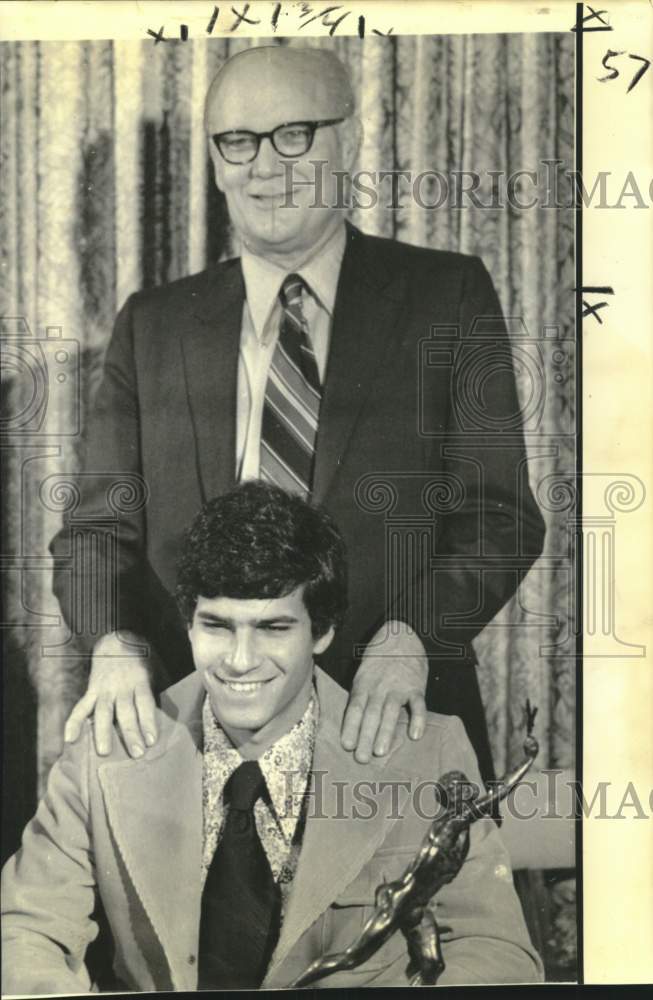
(290,139)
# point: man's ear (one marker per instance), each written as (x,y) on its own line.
(218,165)
(323,643)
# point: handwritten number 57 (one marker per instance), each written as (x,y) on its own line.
(614,72)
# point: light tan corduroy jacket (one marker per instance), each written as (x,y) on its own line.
(132,829)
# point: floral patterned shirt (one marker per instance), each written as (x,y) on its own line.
(286,767)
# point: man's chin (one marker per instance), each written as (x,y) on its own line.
(242,722)
(274,236)
(282,230)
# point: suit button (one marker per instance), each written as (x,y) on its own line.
(191,960)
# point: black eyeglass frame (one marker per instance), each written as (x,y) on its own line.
(260,136)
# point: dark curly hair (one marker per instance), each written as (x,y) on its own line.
(258,541)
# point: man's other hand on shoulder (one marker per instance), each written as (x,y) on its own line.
(120,688)
(393,673)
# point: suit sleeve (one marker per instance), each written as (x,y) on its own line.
(494,530)
(99,561)
(484,936)
(48,889)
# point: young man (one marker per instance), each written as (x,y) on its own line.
(239,848)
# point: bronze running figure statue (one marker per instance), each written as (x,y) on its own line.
(404,903)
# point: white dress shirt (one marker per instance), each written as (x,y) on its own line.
(260,330)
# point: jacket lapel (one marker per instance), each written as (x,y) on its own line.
(210,347)
(334,848)
(162,795)
(367,310)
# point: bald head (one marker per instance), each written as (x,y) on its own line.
(310,83)
(283,207)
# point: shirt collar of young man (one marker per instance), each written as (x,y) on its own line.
(286,767)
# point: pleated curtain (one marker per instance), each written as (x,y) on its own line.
(107,188)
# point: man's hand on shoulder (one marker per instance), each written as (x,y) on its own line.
(120,685)
(393,672)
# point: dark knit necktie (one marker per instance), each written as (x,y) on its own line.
(241,903)
(292,400)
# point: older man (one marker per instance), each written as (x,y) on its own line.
(298,363)
(247,843)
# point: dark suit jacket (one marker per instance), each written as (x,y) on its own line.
(420,459)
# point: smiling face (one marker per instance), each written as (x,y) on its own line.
(256,661)
(273,207)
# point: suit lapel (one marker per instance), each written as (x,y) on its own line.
(334,848)
(154,809)
(367,309)
(210,348)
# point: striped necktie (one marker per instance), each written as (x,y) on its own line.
(292,400)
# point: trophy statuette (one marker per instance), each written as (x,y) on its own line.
(403,904)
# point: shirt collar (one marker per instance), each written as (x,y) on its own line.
(285,765)
(263,279)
